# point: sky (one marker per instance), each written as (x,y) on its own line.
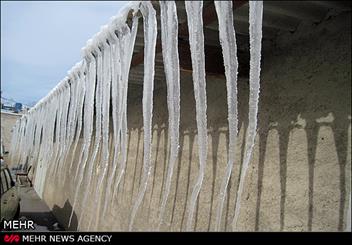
(41,41)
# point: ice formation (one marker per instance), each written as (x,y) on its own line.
(196,40)
(229,51)
(169,39)
(121,61)
(104,158)
(255,35)
(90,64)
(150,34)
(91,171)
(49,135)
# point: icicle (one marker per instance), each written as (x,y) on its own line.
(45,150)
(39,118)
(106,84)
(42,153)
(115,74)
(90,167)
(229,50)
(169,39)
(57,133)
(81,97)
(88,124)
(71,120)
(127,41)
(255,34)
(150,34)
(196,39)
(53,109)
(64,131)
(121,60)
(98,129)
(122,50)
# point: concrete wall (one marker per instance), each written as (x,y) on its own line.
(8,120)
(299,175)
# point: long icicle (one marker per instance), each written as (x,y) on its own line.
(229,51)
(97,138)
(194,11)
(255,34)
(88,122)
(128,38)
(115,74)
(121,61)
(48,131)
(93,161)
(150,34)
(169,39)
(71,122)
(57,134)
(82,96)
(63,143)
(105,130)
(48,141)
(41,152)
(62,130)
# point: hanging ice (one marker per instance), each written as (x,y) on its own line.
(115,89)
(98,103)
(57,132)
(63,136)
(169,39)
(121,61)
(106,84)
(46,146)
(126,51)
(51,141)
(196,39)
(88,119)
(70,122)
(81,98)
(150,34)
(115,74)
(229,51)
(255,34)
(76,97)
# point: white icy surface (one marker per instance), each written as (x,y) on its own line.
(229,51)
(196,37)
(150,34)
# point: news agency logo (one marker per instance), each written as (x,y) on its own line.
(18,225)
(12,238)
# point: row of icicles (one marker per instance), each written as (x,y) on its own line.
(49,133)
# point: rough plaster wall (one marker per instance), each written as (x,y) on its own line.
(300,170)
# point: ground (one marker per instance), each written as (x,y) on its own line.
(34,208)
